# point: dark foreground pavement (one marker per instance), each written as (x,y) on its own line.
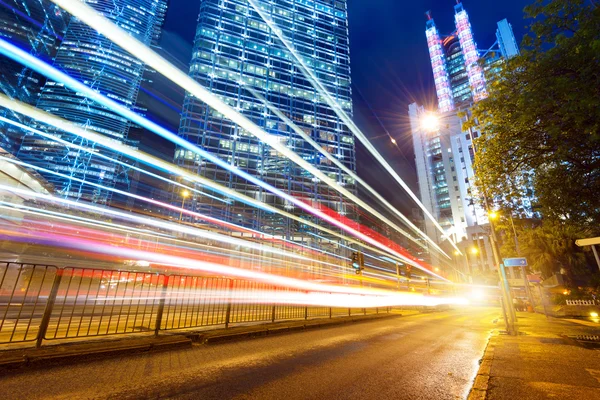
(425,356)
(546,361)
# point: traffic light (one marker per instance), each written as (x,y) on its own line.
(358,261)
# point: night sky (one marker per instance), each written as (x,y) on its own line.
(390,69)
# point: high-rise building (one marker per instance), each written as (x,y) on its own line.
(444,154)
(36,26)
(457,73)
(94,60)
(444,159)
(234,49)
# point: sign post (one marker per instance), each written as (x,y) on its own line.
(520,262)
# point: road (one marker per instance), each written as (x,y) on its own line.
(425,356)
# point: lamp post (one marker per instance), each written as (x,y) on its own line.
(184,195)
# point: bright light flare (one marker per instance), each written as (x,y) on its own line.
(430,123)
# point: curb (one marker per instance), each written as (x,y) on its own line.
(481,382)
(260,331)
(75,352)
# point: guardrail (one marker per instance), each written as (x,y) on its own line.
(42,303)
(581,302)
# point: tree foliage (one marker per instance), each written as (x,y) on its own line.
(541,121)
(551,247)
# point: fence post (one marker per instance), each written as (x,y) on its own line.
(305,312)
(273,313)
(329,312)
(349,312)
(49,307)
(161,305)
(228,312)
(376,310)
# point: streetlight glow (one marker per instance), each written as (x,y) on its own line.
(430,122)
(493,215)
(474,250)
(185,194)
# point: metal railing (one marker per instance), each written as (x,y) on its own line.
(43,303)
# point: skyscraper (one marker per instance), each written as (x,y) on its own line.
(445,154)
(36,26)
(235,52)
(89,57)
(457,74)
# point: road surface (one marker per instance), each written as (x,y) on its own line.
(425,356)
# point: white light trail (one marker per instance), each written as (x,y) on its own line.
(111,31)
(351,173)
(98,154)
(310,76)
(219,269)
(114,145)
(161,224)
(269,261)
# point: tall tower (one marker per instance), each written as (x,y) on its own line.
(91,58)
(36,26)
(234,51)
(438,65)
(470,53)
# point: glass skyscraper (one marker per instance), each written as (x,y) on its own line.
(36,26)
(234,49)
(94,60)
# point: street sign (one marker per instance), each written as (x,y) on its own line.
(515,262)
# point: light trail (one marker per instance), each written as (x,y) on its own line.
(59,123)
(221,270)
(160,224)
(269,261)
(111,31)
(351,173)
(97,154)
(204,217)
(285,214)
(310,76)
(52,73)
(179,209)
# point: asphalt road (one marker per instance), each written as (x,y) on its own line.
(425,356)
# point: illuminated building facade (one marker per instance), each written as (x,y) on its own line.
(36,26)
(94,60)
(235,49)
(458,75)
(444,156)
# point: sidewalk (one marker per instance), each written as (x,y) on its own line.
(546,361)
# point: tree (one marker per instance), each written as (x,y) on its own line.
(541,120)
(551,247)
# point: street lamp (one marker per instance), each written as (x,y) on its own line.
(184,195)
(430,122)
